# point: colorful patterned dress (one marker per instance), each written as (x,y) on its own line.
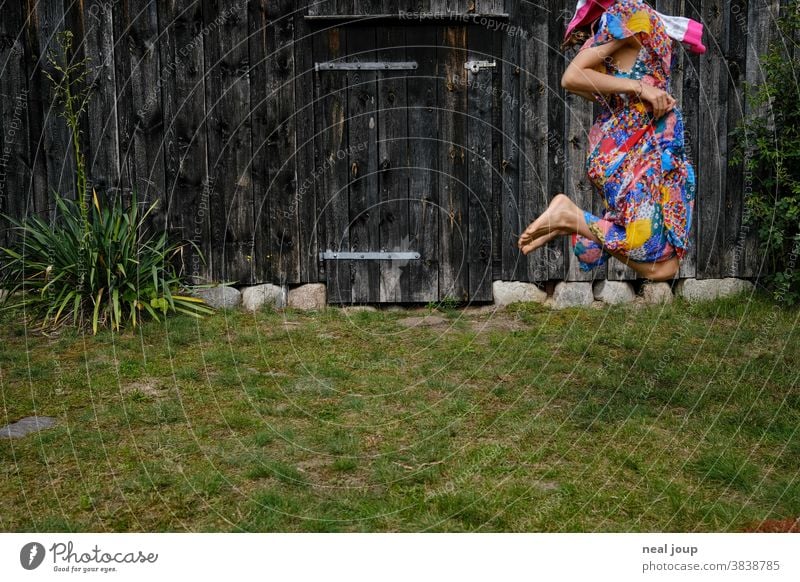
(638,164)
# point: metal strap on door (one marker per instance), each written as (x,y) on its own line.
(474,66)
(369,256)
(366,66)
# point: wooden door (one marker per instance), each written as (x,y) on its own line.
(403,167)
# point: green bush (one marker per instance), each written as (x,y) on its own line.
(768,143)
(103,270)
(96,264)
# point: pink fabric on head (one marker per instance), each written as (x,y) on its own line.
(586,12)
(680,28)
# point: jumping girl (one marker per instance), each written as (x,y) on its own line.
(636,160)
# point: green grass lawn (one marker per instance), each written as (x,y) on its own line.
(677,418)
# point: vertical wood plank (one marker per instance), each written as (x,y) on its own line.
(711,190)
(392,120)
(102,151)
(512,199)
(479,166)
(363,155)
(331,165)
(534,167)
(307,235)
(279,218)
(505,175)
(319,7)
(423,160)
(416,7)
(260,96)
(488,6)
(691,103)
(554,257)
(453,271)
(761,31)
(734,106)
(227,122)
(39,195)
(15,163)
(139,107)
(190,194)
(387,7)
(59,157)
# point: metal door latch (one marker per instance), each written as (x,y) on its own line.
(477,66)
(366,66)
(330,255)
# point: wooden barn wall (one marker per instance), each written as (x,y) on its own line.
(201,104)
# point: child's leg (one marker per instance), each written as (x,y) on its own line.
(590,252)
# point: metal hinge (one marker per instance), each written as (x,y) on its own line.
(477,66)
(368,256)
(365,66)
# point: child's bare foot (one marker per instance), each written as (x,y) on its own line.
(543,240)
(554,219)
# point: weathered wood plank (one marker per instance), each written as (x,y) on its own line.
(761,30)
(453,195)
(497,157)
(102,147)
(711,190)
(736,54)
(363,157)
(332,163)
(479,166)
(423,159)
(414,8)
(59,157)
(534,169)
(386,6)
(39,195)
(554,261)
(690,107)
(190,194)
(279,141)
(318,7)
(452,6)
(392,120)
(15,164)
(140,122)
(228,130)
(306,203)
(511,200)
(261,130)
(489,6)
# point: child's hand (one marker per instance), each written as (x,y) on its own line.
(661,101)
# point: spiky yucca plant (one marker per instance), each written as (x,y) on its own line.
(112,274)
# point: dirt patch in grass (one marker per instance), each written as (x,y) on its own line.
(498,323)
(426,321)
(147,387)
(788,525)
